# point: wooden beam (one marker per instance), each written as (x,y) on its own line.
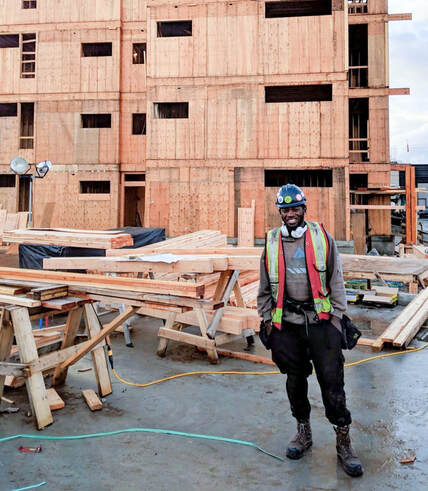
(99,360)
(178,288)
(19,301)
(92,400)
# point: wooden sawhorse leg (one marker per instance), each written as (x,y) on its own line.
(98,354)
(6,340)
(28,353)
(163,342)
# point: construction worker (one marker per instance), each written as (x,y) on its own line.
(301,300)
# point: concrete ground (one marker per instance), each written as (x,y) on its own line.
(387,398)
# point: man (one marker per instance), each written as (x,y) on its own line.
(301,300)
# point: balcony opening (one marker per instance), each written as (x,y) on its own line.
(293,8)
(168,29)
(28,56)
(298,93)
(359,130)
(358,56)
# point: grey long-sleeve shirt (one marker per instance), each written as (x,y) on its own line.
(297,282)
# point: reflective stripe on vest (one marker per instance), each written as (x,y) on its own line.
(316,254)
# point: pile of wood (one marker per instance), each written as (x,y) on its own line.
(68,237)
(406,325)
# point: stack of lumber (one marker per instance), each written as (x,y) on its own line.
(11,221)
(407,324)
(196,240)
(69,238)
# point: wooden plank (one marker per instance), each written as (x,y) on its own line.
(52,360)
(246,226)
(55,401)
(28,352)
(48,292)
(20,301)
(99,360)
(71,328)
(92,400)
(11,290)
(412,327)
(398,324)
(185,337)
(222,251)
(185,289)
(68,239)
(65,303)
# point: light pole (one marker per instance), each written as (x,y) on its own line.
(21,167)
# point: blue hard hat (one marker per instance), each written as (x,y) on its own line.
(289,196)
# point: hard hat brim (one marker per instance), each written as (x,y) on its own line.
(291,205)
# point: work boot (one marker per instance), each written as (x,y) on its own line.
(350,462)
(301,442)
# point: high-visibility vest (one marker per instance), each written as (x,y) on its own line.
(316,254)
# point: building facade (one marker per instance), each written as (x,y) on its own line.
(175,114)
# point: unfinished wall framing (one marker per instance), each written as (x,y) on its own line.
(187,109)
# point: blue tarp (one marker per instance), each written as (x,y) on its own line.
(31,256)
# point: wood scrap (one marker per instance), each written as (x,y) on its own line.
(55,401)
(92,400)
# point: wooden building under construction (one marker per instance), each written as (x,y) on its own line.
(176,113)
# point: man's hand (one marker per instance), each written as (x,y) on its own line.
(268,325)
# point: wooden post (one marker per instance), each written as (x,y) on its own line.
(411,202)
(98,354)
(71,327)
(163,342)
(28,353)
(6,339)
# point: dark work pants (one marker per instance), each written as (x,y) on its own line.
(293,349)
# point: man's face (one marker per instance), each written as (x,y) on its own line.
(292,217)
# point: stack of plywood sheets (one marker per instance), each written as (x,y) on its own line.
(69,238)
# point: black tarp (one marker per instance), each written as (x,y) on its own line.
(31,256)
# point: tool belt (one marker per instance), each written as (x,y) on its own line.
(297,307)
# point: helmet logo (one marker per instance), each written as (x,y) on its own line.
(280,199)
(299,197)
(288,199)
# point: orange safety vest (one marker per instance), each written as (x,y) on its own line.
(316,254)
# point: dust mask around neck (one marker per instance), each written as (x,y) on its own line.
(296,234)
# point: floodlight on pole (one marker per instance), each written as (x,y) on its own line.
(21,167)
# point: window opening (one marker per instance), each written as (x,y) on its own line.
(7,180)
(135,177)
(167,29)
(96,120)
(9,40)
(171,110)
(94,187)
(139,53)
(96,49)
(28,56)
(298,93)
(8,109)
(26,139)
(299,8)
(358,56)
(315,178)
(138,124)
(29,4)
(358,6)
(359,142)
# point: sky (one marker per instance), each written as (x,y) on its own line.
(408,54)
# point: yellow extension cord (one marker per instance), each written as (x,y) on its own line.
(270,372)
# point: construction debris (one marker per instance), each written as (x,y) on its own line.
(92,400)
